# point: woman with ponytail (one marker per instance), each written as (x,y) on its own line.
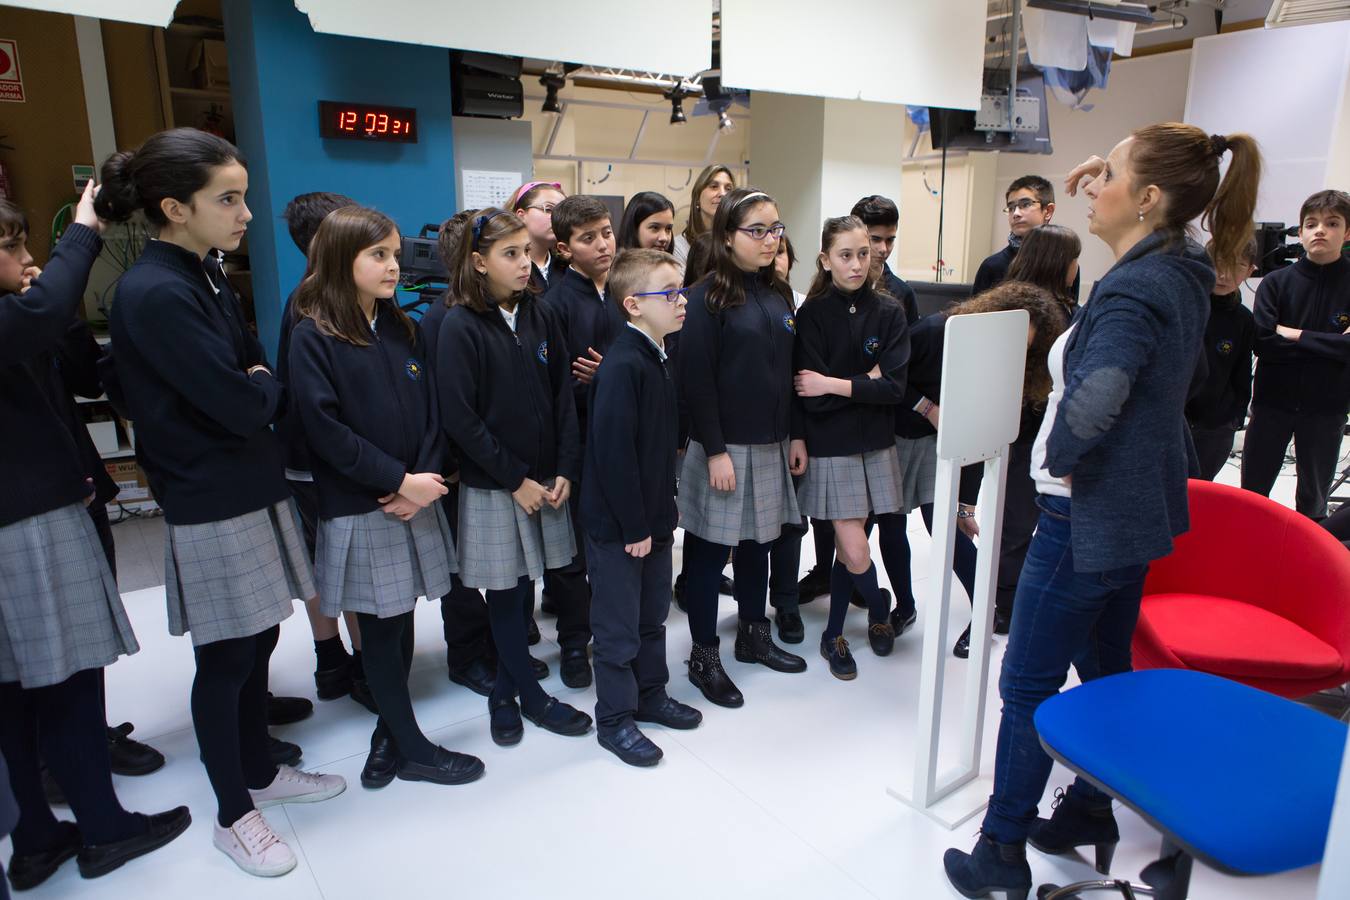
(1110,465)
(197,384)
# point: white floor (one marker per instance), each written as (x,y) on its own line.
(785,797)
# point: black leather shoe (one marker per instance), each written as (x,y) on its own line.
(446,767)
(576,668)
(28,870)
(163,827)
(706,674)
(836,653)
(539,667)
(532,636)
(881,635)
(1077,823)
(726,587)
(670,713)
(330,684)
(477,676)
(130,757)
(547,605)
(283,753)
(360,692)
(1002,621)
(504,722)
(814,583)
(288,710)
(629,744)
(560,718)
(790,627)
(903,620)
(754,644)
(989,867)
(962,648)
(381,763)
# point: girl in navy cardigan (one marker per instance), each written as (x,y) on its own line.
(851,355)
(200,390)
(359,380)
(1110,463)
(501,372)
(735,376)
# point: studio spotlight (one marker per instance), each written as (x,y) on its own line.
(552,82)
(725,122)
(677,116)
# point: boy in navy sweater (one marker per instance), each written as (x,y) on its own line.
(628,509)
(1302,387)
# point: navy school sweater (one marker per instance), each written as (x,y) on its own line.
(587,320)
(40,464)
(842,344)
(557,267)
(1220,400)
(369,413)
(628,486)
(994,270)
(901,291)
(735,368)
(289,427)
(506,397)
(180,355)
(1312,374)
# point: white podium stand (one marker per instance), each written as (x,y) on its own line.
(983,365)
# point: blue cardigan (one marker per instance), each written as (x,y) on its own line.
(1120,430)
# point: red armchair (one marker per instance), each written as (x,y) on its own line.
(1254,592)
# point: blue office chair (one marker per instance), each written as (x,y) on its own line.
(1237,778)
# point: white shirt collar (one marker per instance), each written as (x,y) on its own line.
(660,351)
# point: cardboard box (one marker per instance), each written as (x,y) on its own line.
(130,479)
(210,65)
(104,435)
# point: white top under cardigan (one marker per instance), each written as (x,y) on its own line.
(1045,482)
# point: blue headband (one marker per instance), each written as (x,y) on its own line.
(481,221)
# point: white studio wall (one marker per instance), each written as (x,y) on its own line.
(142,12)
(894,51)
(605,33)
(1287,88)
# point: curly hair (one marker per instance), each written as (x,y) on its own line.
(1048,321)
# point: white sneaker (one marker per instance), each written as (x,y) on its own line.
(294,786)
(254,846)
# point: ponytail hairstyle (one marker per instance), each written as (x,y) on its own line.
(643,206)
(1049,318)
(1183,162)
(173,164)
(468,286)
(696,226)
(448,238)
(823,281)
(328,292)
(727,288)
(1044,259)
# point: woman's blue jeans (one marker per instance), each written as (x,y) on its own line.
(1060,618)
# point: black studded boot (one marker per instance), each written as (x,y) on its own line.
(706,674)
(754,644)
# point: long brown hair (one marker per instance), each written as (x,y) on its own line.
(831,231)
(1044,259)
(468,286)
(328,293)
(1183,162)
(726,289)
(1048,321)
(696,226)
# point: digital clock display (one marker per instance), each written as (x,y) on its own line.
(367,122)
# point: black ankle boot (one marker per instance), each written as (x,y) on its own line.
(990,867)
(1074,823)
(706,674)
(754,644)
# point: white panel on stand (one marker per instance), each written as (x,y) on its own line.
(983,366)
(918,52)
(675,39)
(142,12)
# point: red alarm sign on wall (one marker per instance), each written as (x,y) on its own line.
(11,79)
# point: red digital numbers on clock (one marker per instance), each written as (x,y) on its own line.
(367,122)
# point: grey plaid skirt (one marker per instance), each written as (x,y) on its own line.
(60,611)
(918,462)
(852,487)
(499,544)
(236,577)
(377,563)
(763,502)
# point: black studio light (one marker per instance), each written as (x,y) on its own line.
(552,83)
